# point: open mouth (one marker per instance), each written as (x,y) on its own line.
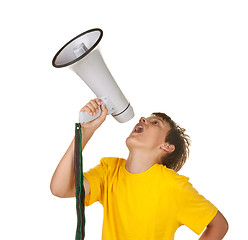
(138,129)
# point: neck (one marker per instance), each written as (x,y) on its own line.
(139,161)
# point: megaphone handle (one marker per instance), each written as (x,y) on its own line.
(85,117)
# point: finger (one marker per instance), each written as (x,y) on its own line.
(87,109)
(98,101)
(83,109)
(92,107)
(94,104)
(94,110)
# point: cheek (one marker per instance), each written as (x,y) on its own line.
(154,138)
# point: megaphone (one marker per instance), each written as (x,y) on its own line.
(82,55)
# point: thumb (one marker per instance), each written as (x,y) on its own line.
(104,111)
(99,120)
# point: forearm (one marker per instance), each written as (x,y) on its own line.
(216,229)
(211,234)
(63,179)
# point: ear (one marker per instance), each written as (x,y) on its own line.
(169,148)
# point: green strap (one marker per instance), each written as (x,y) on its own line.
(80,193)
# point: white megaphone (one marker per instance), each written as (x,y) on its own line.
(82,56)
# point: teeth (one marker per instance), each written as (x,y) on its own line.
(139,129)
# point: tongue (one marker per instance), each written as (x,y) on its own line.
(139,130)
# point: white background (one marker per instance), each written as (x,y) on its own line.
(185,58)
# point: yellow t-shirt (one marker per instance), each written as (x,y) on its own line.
(146,206)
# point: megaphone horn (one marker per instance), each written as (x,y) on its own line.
(82,56)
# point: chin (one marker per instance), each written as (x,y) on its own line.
(128,142)
(132,142)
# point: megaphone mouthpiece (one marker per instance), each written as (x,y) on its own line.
(86,41)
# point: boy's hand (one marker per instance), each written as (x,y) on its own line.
(92,108)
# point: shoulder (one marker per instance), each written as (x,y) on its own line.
(173,178)
(181,185)
(111,162)
(111,166)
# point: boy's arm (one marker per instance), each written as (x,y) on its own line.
(63,180)
(216,229)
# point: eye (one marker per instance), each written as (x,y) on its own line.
(155,122)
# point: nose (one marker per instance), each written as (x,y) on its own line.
(143,120)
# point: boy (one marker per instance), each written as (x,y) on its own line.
(143,197)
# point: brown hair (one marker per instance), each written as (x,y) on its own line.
(177,137)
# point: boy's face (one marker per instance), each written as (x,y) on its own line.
(149,134)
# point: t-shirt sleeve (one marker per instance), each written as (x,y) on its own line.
(195,211)
(95,177)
